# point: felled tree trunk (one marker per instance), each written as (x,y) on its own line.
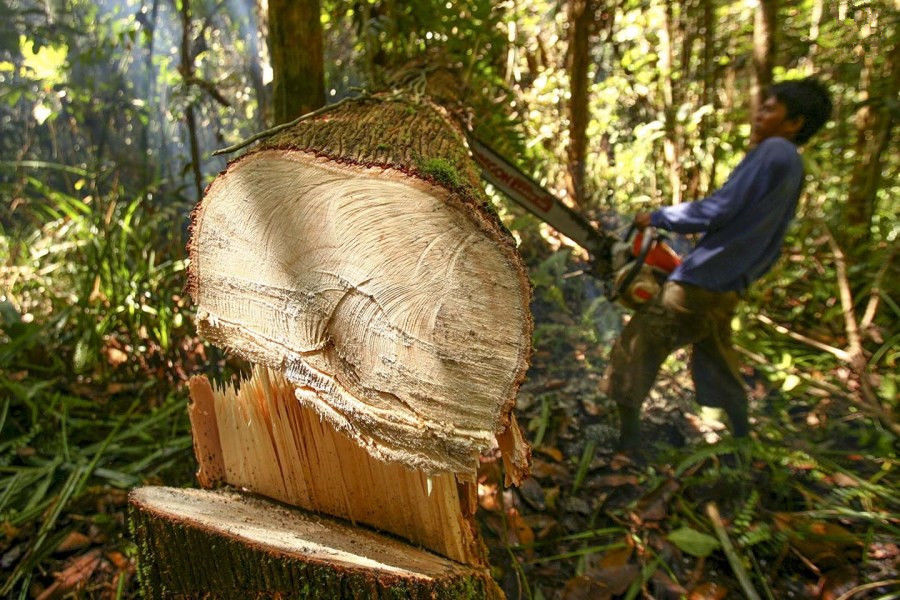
(218,545)
(356,253)
(354,259)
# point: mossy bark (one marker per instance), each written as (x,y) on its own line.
(182,558)
(409,134)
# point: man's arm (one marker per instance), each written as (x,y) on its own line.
(762,172)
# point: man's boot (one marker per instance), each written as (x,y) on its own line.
(629,427)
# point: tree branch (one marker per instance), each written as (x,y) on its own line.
(851,325)
(811,381)
(207,86)
(856,354)
(837,352)
(875,291)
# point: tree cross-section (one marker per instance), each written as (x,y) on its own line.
(356,253)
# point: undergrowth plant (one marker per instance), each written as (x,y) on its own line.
(95,341)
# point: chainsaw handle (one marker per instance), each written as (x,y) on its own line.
(650,236)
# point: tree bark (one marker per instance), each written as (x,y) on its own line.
(671,147)
(149,93)
(252,35)
(186,69)
(200,544)
(764,50)
(815,23)
(709,96)
(578,60)
(295,47)
(355,252)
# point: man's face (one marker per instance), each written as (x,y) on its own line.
(771,120)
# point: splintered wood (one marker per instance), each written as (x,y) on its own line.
(246,547)
(261,438)
(398,312)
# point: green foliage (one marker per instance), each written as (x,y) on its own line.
(693,542)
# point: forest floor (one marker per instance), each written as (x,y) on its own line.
(595,524)
(807,508)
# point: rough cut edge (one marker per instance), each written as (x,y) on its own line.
(468,548)
(207,446)
(516,453)
(484,219)
(300,374)
(176,551)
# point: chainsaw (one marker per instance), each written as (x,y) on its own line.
(642,263)
(634,267)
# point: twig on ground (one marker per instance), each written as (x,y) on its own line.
(812,381)
(875,290)
(734,560)
(838,352)
(856,357)
(867,586)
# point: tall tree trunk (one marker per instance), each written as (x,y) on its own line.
(764,49)
(815,23)
(295,45)
(874,127)
(354,254)
(666,67)
(580,13)
(709,96)
(186,68)
(148,93)
(252,35)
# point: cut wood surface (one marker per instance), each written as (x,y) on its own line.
(260,438)
(222,544)
(356,254)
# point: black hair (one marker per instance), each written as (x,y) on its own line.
(807,98)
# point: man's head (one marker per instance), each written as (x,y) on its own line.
(794,109)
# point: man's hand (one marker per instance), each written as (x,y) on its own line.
(642,220)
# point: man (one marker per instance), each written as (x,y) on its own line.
(743,226)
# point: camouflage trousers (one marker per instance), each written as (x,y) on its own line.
(680,315)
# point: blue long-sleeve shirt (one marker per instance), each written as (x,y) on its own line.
(744,221)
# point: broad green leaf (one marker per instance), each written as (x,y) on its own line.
(693,542)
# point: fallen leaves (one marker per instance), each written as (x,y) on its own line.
(708,591)
(654,506)
(74,576)
(822,543)
(74,541)
(584,587)
(519,531)
(615,570)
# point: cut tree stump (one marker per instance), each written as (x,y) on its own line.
(243,547)
(357,254)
